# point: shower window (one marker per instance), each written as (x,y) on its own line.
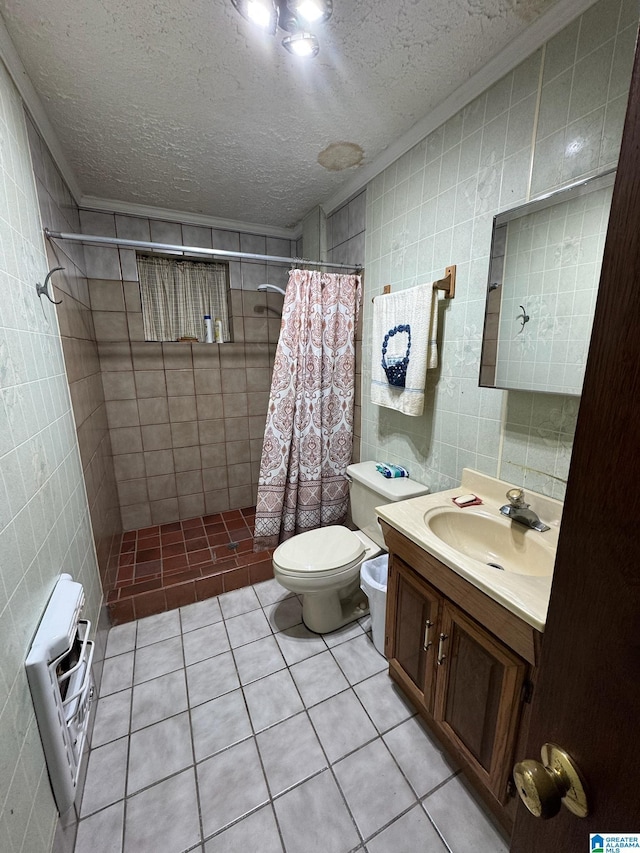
(177,293)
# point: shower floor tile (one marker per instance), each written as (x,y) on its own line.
(168,566)
(226,754)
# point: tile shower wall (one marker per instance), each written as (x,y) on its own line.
(59,212)
(345,235)
(556,118)
(186,421)
(44,516)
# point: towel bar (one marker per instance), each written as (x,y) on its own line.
(446,284)
(386,289)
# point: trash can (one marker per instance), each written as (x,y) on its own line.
(373,582)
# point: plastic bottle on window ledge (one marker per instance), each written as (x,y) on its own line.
(208,329)
(218,327)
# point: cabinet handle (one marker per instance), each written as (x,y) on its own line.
(428,625)
(441,655)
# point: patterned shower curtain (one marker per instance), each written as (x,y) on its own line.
(308,436)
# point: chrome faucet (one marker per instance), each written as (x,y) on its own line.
(518,510)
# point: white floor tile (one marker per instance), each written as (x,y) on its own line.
(200,614)
(211,678)
(284,614)
(256,832)
(247,627)
(270,592)
(365,623)
(205,642)
(461,821)
(272,699)
(106,775)
(358,659)
(159,698)
(219,723)
(348,632)
(374,788)
(231,785)
(164,818)
(147,763)
(161,626)
(112,718)
(318,678)
(158,659)
(122,638)
(342,724)
(298,643)
(409,833)
(258,659)
(303,817)
(238,601)
(249,660)
(419,756)
(117,674)
(383,701)
(290,753)
(102,832)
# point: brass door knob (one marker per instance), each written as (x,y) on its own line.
(544,787)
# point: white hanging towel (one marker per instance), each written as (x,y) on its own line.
(405,326)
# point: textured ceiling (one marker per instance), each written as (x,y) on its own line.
(183,105)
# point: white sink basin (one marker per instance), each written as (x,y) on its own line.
(474,540)
(493,540)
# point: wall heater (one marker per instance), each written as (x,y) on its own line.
(59,673)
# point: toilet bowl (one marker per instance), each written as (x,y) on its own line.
(323,565)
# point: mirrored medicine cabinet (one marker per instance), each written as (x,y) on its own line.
(543,282)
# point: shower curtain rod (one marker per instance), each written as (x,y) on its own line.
(200,250)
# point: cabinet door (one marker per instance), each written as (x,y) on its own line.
(478,697)
(412,621)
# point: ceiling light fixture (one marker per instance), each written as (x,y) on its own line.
(302,44)
(289,15)
(312,11)
(262,13)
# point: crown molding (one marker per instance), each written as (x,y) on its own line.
(538,33)
(107,205)
(33,104)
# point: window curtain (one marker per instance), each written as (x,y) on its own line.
(176,294)
(308,436)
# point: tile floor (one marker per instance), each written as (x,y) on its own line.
(166,566)
(227,727)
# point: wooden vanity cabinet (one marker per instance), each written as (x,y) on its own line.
(478,698)
(451,649)
(417,616)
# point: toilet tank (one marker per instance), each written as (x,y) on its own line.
(369,489)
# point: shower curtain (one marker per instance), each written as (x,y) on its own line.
(308,436)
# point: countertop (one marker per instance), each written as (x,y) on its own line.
(526,596)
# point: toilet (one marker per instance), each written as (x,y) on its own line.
(323,565)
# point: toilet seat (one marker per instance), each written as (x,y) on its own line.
(322,552)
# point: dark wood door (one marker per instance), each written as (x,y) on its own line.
(478,697)
(588,696)
(413,622)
